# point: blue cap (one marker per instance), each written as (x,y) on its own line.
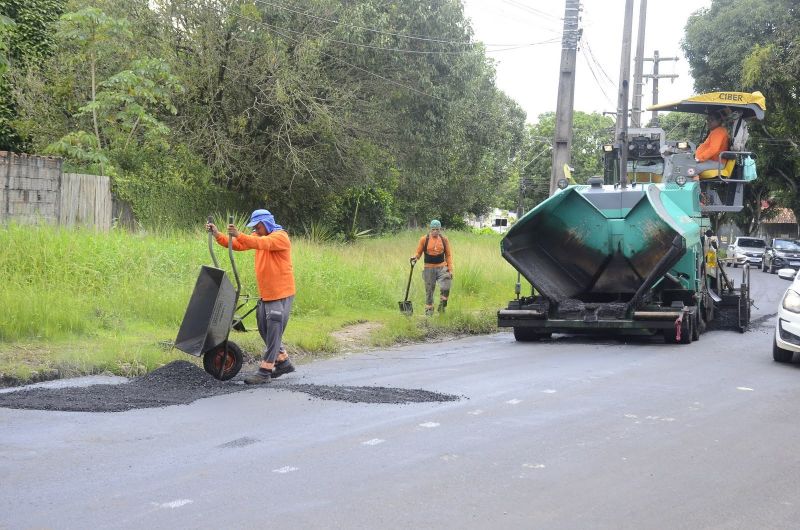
(264,216)
(436,223)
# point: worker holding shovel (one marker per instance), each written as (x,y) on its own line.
(275,278)
(438,266)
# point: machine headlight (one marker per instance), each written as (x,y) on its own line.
(791,301)
(562,184)
(683,145)
(680,180)
(608,148)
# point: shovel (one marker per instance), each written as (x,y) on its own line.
(405,306)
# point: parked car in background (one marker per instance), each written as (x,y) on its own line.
(746,250)
(781,254)
(787,328)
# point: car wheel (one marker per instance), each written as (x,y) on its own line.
(779,354)
(696,325)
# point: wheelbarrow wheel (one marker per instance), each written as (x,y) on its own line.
(212,361)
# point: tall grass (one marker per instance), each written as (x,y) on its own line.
(111,301)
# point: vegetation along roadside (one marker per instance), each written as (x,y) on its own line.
(79,302)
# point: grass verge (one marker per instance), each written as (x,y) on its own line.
(80,302)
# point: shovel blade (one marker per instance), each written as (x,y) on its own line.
(405,307)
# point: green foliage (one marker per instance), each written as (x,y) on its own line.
(533,164)
(362,130)
(680,126)
(170,205)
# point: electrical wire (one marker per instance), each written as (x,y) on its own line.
(596,62)
(529,9)
(594,75)
(373,30)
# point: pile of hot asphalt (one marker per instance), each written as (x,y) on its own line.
(181,383)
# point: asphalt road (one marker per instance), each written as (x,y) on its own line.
(571,433)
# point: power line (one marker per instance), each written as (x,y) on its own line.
(529,9)
(594,75)
(384,48)
(373,30)
(597,63)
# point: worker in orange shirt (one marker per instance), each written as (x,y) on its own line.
(438,266)
(275,278)
(707,155)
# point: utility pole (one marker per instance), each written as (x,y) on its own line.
(638,66)
(621,130)
(655,76)
(562,143)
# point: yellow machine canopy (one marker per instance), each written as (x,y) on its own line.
(749,105)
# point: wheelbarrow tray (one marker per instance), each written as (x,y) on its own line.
(207,321)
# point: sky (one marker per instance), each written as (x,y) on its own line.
(529,74)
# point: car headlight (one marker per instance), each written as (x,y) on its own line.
(791,301)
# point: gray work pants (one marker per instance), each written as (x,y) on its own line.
(435,275)
(272,318)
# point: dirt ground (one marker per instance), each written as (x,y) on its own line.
(355,336)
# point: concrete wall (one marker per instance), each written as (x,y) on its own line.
(29,188)
(33,189)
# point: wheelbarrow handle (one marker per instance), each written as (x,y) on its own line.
(211,244)
(233,261)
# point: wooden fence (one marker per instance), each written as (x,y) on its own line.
(85,201)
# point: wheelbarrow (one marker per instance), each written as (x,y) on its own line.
(210,316)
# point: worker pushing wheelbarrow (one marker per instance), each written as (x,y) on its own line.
(275,278)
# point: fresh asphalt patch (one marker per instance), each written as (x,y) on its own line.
(181,383)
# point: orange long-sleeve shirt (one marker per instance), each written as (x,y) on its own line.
(274,272)
(436,247)
(717,142)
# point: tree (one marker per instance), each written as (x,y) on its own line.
(533,166)
(26,39)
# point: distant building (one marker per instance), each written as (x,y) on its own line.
(498,220)
(782,225)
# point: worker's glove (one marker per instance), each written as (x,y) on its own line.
(413,260)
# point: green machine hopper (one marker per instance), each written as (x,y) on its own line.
(602,258)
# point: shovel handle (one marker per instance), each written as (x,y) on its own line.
(410,275)
(233,261)
(211,244)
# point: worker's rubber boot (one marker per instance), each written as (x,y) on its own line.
(281,368)
(442,306)
(260,377)
(429,311)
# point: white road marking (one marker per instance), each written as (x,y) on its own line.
(534,466)
(475,412)
(746,389)
(448,458)
(631,416)
(514,401)
(374,441)
(429,424)
(174,504)
(285,469)
(548,391)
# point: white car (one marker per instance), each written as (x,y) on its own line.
(787,328)
(746,250)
